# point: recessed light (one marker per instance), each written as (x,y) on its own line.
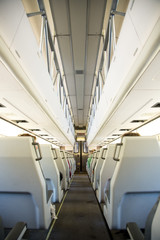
(157,105)
(1,105)
(19,121)
(138,121)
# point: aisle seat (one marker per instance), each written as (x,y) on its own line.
(98,167)
(23,192)
(134,186)
(64,159)
(73,164)
(106,173)
(51,172)
(61,166)
(93,165)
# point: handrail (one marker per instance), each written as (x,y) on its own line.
(116,147)
(40,155)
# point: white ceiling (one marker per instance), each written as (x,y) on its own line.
(78,26)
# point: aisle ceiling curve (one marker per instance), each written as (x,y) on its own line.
(78,26)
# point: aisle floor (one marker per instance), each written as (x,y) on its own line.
(80,217)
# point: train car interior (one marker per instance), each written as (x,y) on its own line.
(80,119)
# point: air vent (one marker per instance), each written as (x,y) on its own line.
(116,135)
(44,135)
(138,121)
(2,106)
(124,129)
(19,121)
(79,72)
(35,130)
(157,105)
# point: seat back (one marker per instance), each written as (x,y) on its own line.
(93,165)
(62,168)
(106,172)
(98,167)
(22,185)
(135,183)
(51,172)
(64,159)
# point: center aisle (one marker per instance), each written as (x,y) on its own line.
(80,217)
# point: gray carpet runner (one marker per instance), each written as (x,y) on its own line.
(80,217)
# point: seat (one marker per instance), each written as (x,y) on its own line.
(23,192)
(98,167)
(106,172)
(73,164)
(152,229)
(89,159)
(17,232)
(51,172)
(134,186)
(93,165)
(64,159)
(61,166)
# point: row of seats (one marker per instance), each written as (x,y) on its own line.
(32,178)
(126,181)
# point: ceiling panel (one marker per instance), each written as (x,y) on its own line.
(78,29)
(66,53)
(71,84)
(96,13)
(85,120)
(75,111)
(65,49)
(80,102)
(88,84)
(59,11)
(92,49)
(76,120)
(82,21)
(73,101)
(80,117)
(86,103)
(80,90)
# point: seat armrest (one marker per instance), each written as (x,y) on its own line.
(134,231)
(17,231)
